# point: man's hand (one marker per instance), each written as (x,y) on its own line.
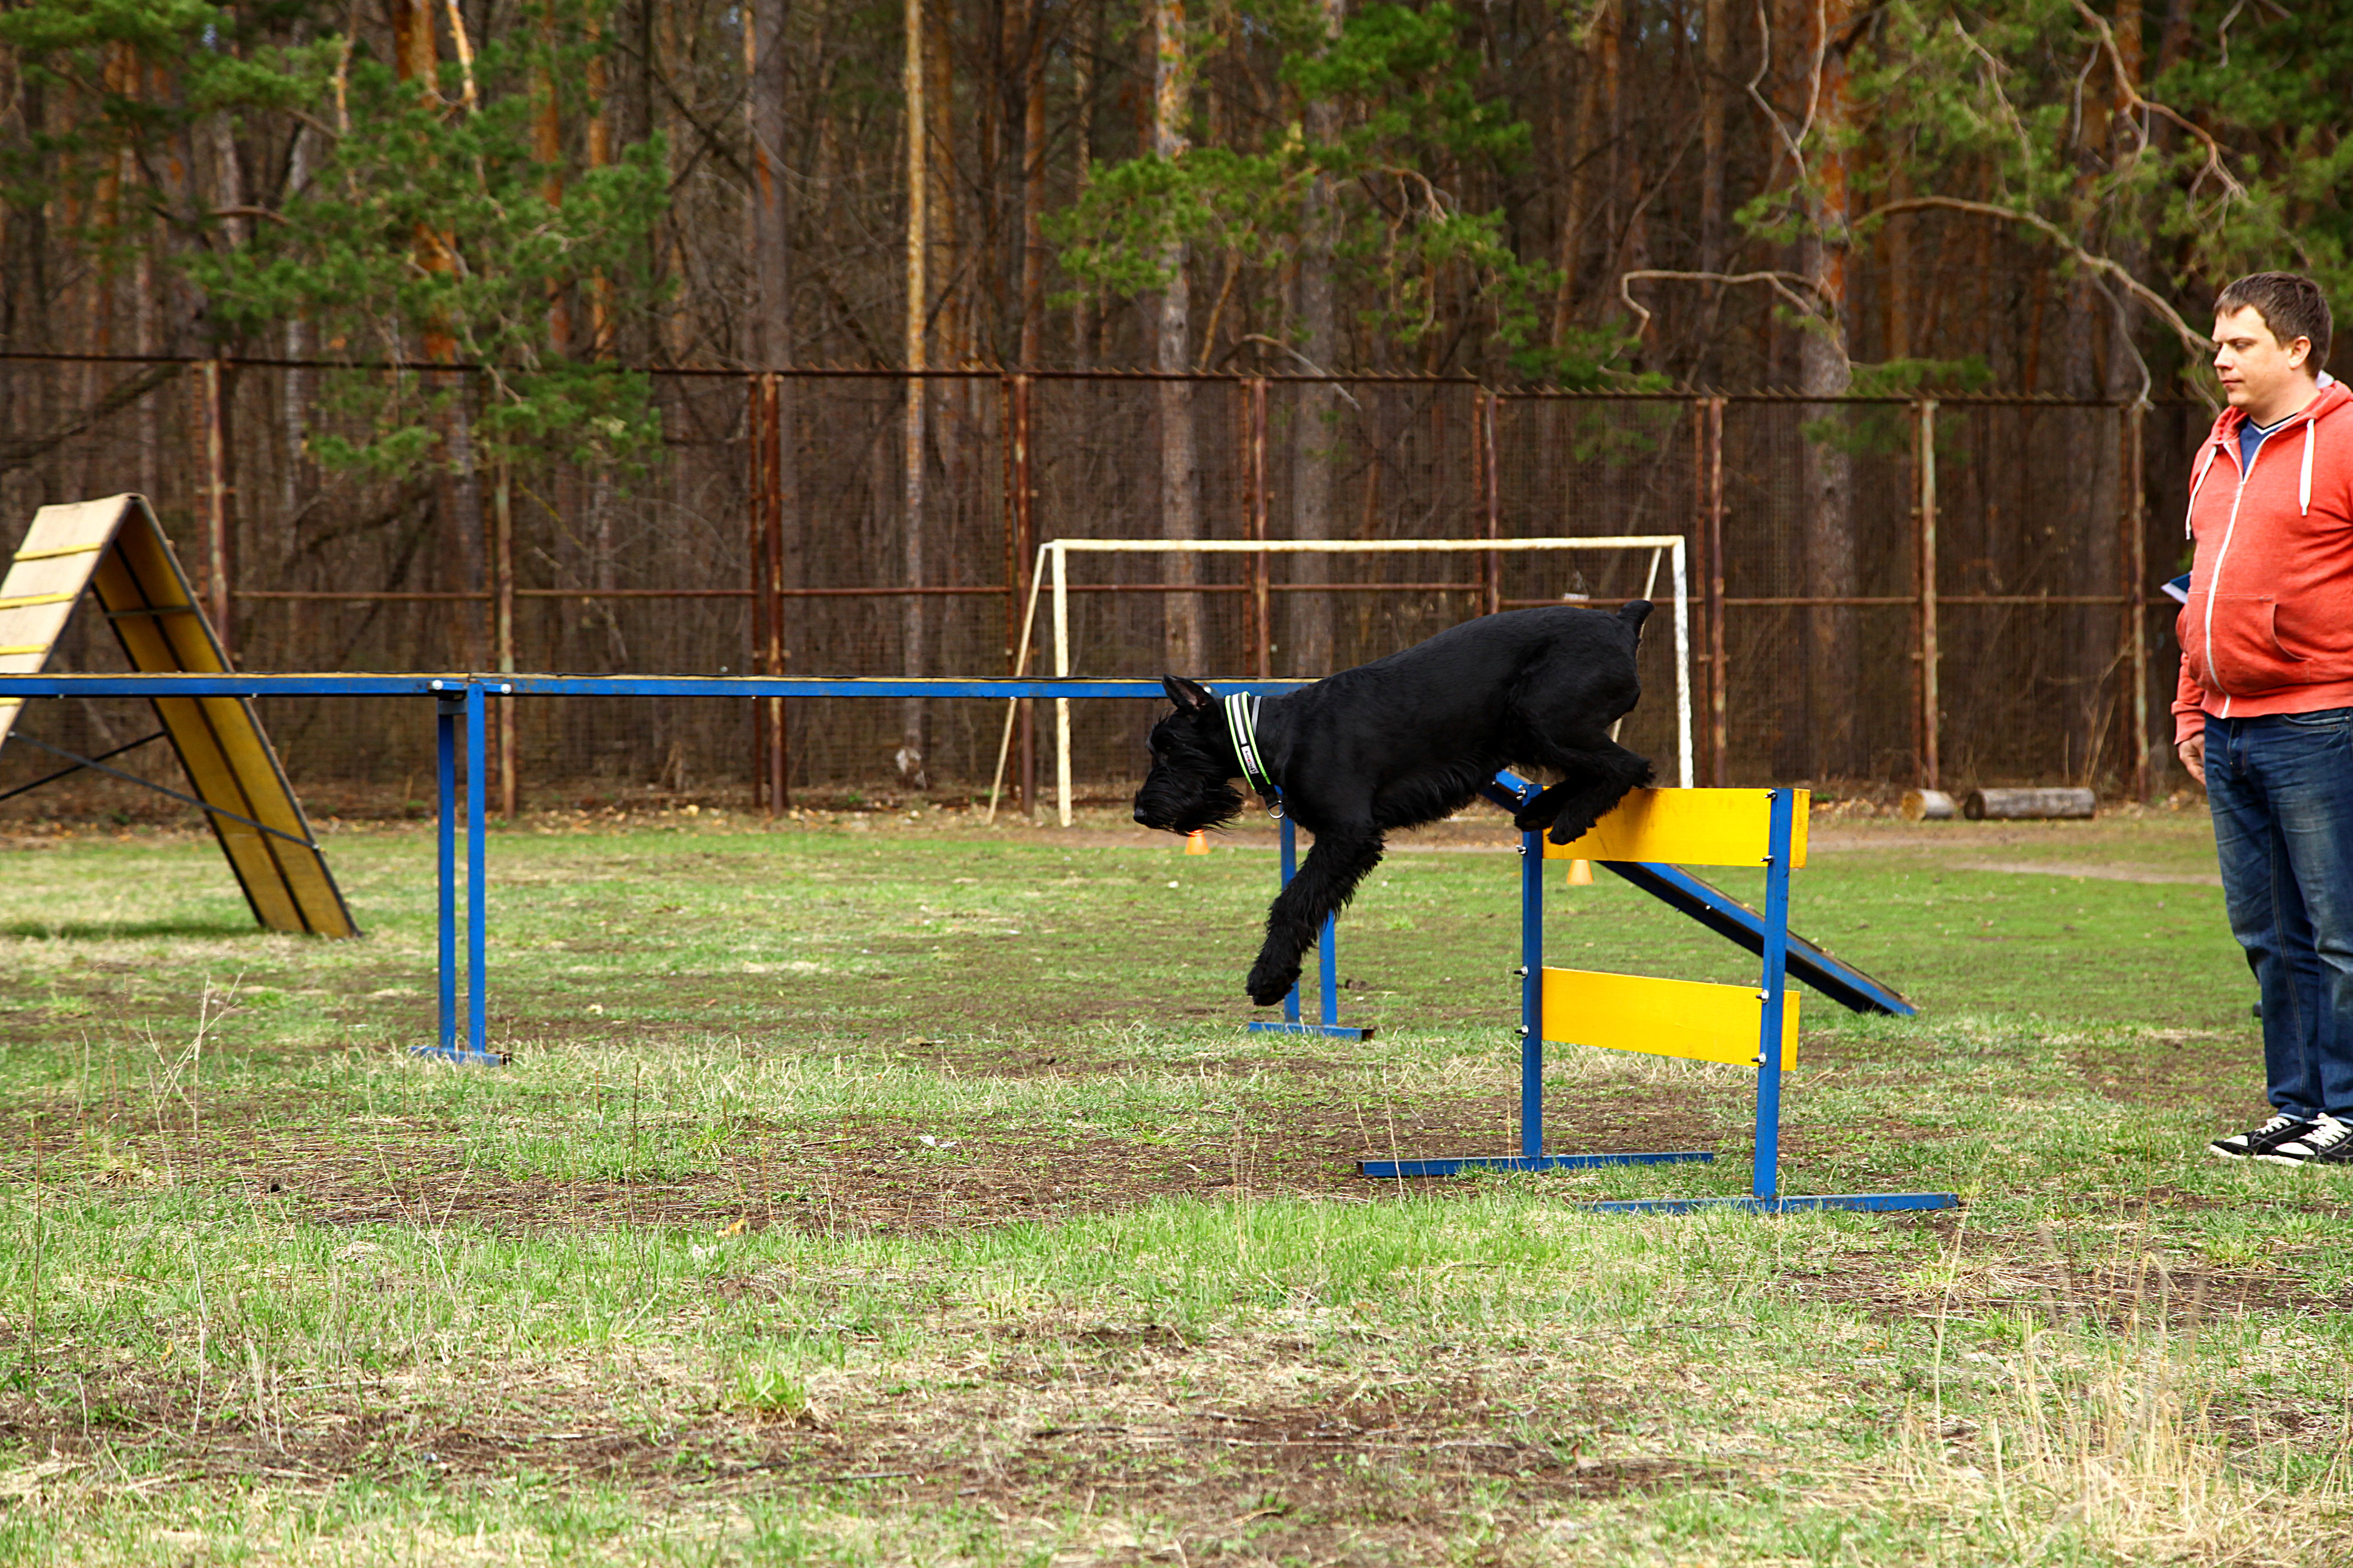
(2193,757)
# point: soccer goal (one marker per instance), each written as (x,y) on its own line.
(1051,573)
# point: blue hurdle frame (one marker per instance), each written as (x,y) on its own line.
(461,704)
(1766,936)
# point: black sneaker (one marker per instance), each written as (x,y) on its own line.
(2262,1139)
(2328,1141)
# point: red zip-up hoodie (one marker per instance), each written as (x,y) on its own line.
(2269,625)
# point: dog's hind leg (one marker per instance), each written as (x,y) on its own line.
(1325,881)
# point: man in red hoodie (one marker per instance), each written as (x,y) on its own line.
(2264,717)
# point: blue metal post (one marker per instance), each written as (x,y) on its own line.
(477,911)
(1290,868)
(445,710)
(1327,962)
(1766,1181)
(1532,866)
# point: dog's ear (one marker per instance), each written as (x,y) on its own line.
(1190,696)
(1634,612)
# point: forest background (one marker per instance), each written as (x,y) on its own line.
(584,202)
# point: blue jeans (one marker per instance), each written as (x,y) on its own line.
(2280,789)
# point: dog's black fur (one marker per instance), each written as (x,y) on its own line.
(1408,739)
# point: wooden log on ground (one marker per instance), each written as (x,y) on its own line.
(1927,806)
(2017,805)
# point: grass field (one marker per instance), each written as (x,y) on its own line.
(885,1188)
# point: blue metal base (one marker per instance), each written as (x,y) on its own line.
(1336,1031)
(1396,1168)
(1860,1203)
(460,1057)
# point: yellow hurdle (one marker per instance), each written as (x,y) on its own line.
(1687,827)
(1689,1018)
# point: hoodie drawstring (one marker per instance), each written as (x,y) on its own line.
(2195,485)
(2303,485)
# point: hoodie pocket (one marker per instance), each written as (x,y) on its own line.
(2242,649)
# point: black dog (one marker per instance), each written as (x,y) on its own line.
(1403,741)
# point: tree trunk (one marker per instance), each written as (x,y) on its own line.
(1315,436)
(1833,665)
(1181,640)
(1716,54)
(1033,183)
(771,345)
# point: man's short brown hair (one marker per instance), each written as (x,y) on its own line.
(2291,305)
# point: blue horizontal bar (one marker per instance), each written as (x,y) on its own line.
(408,685)
(1390,1168)
(1336,1031)
(1861,1203)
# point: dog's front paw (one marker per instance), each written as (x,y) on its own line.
(1533,821)
(1270,983)
(1569,829)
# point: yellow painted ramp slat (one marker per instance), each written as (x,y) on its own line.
(1689,827)
(116,547)
(1664,1017)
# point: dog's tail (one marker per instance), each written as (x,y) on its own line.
(1632,614)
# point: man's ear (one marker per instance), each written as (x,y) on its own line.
(1190,696)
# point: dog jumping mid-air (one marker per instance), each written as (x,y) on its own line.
(1400,741)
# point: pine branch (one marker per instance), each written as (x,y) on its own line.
(2196,341)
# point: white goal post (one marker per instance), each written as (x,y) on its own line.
(1054,565)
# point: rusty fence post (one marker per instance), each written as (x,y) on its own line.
(1718,729)
(502,597)
(758,478)
(1931,700)
(1020,542)
(2136,522)
(1261,569)
(778,756)
(219,546)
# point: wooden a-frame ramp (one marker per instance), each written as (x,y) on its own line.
(115,547)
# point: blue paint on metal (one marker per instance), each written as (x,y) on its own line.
(477,989)
(1532,995)
(1333,1031)
(1860,1203)
(1289,853)
(445,728)
(1727,915)
(1327,970)
(1453,1167)
(1766,1182)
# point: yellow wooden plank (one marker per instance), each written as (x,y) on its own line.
(55,551)
(1689,827)
(1664,1017)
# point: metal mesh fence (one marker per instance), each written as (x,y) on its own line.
(1807,523)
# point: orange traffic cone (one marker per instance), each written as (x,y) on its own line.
(1580,873)
(1197,843)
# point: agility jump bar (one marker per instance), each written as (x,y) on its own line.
(1732,1024)
(460,724)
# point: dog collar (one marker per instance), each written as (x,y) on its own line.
(1242,723)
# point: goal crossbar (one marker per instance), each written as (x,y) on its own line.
(1052,569)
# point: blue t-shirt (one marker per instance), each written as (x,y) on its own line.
(2250,439)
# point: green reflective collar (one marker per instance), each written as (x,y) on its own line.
(1242,723)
